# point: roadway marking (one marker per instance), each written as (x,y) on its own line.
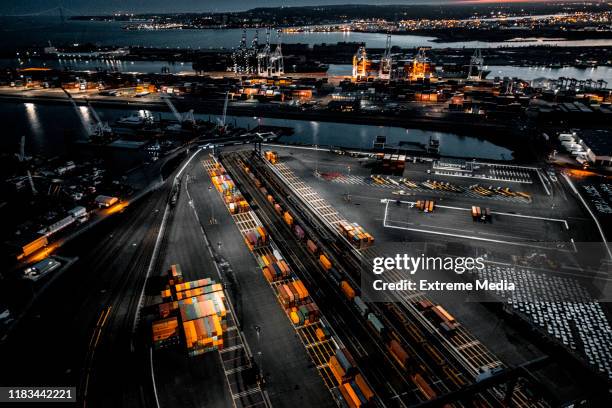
(543,182)
(153,377)
(603,236)
(534,217)
(237,369)
(232,348)
(385,224)
(247,392)
(439,173)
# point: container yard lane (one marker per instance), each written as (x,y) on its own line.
(289,377)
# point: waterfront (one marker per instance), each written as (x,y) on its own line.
(47,135)
(526,73)
(28,31)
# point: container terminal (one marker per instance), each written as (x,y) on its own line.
(233,225)
(181,255)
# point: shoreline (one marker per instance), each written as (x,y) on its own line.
(502,134)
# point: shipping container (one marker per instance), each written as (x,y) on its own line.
(165,333)
(34,245)
(346,360)
(346,397)
(399,354)
(312,247)
(348,291)
(364,387)
(325,262)
(363,308)
(424,387)
(335,275)
(288,218)
(354,394)
(376,324)
(299,232)
(322,333)
(338,372)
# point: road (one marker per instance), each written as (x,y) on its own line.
(78,332)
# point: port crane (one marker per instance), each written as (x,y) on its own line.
(22,159)
(386,61)
(223,118)
(476,63)
(182,118)
(97,129)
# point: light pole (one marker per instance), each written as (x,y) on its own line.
(259,353)
(212,208)
(348,193)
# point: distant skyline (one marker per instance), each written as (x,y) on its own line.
(21,7)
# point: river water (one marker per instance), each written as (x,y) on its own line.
(26,31)
(47,128)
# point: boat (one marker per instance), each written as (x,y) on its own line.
(136,119)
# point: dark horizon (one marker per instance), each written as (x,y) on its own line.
(40,7)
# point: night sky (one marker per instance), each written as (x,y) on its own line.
(18,7)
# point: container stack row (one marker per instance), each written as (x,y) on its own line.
(197,307)
(356,234)
(351,384)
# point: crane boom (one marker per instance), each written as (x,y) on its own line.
(175,112)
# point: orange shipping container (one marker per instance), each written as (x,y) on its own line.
(325,262)
(320,334)
(288,218)
(424,387)
(268,274)
(352,395)
(299,285)
(346,397)
(349,292)
(364,387)
(337,370)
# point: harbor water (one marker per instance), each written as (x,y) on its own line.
(49,129)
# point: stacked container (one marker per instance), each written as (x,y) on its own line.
(165,333)
(276,271)
(198,306)
(342,365)
(304,314)
(356,234)
(271,156)
(224,184)
(255,238)
(292,293)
